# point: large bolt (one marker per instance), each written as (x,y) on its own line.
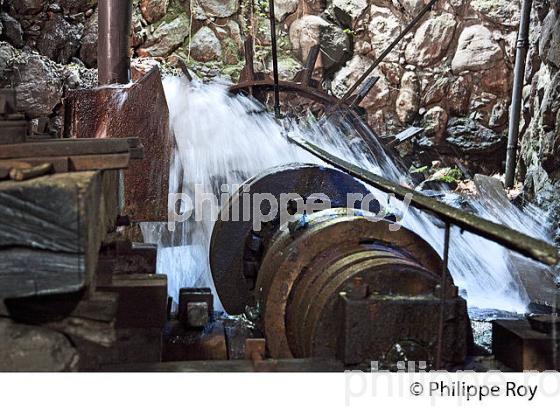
(358,289)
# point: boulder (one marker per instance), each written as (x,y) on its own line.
(7,54)
(412,7)
(153,10)
(348,11)
(459,96)
(12,31)
(470,137)
(499,116)
(431,41)
(549,44)
(88,51)
(205,46)
(380,94)
(39,84)
(503,12)
(26,348)
(436,91)
(476,50)
(60,40)
(283,8)
(311,30)
(219,8)
(76,6)
(383,28)
(550,105)
(166,38)
(435,123)
(408,100)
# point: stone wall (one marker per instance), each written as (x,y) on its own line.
(540,144)
(457,63)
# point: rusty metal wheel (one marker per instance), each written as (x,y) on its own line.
(236,249)
(301,276)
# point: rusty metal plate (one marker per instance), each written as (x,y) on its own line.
(231,240)
(134,110)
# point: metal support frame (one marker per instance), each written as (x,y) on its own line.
(533,248)
(274,59)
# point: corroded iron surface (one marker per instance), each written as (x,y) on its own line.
(134,110)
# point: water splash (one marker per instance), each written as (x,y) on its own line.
(222,140)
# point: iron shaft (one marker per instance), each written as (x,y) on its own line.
(113,46)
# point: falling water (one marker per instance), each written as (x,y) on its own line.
(223,140)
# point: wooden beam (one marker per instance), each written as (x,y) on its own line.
(51,229)
(70,147)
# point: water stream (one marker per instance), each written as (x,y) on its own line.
(222,140)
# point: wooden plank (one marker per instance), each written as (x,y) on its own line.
(68,147)
(51,229)
(98,162)
(60,164)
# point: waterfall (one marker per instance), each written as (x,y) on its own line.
(222,140)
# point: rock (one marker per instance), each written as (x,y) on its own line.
(383,28)
(435,123)
(470,137)
(476,50)
(497,80)
(459,96)
(408,100)
(436,91)
(550,105)
(88,51)
(413,7)
(26,348)
(39,84)
(348,11)
(219,8)
(503,12)
(28,6)
(549,45)
(287,67)
(283,8)
(379,96)
(7,54)
(59,39)
(499,116)
(166,38)
(205,46)
(311,30)
(431,41)
(12,31)
(139,29)
(76,6)
(153,10)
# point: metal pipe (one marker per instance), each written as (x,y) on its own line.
(517,94)
(113,44)
(274,58)
(533,248)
